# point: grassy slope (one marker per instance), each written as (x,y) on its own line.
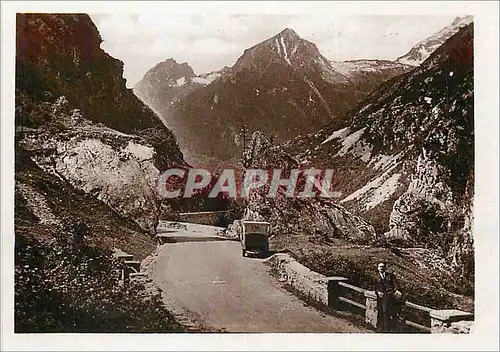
(358,263)
(66,285)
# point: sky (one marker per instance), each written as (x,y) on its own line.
(210,41)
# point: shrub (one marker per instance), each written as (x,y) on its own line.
(74,287)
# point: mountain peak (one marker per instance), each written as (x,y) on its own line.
(171,68)
(463,20)
(171,62)
(286,47)
(420,52)
(288,32)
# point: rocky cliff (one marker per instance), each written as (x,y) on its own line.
(76,120)
(116,168)
(333,240)
(318,219)
(60,55)
(405,160)
(87,156)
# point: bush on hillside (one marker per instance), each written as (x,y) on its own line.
(69,286)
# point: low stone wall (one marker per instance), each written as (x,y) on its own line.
(461,327)
(312,285)
(213,218)
(451,321)
(325,291)
(174,225)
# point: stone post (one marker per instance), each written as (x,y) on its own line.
(441,320)
(126,274)
(122,258)
(371,312)
(162,238)
(334,290)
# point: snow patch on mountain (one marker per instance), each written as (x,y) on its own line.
(206,78)
(376,191)
(353,67)
(384,191)
(328,73)
(181,81)
(201,80)
(284,51)
(382,161)
(342,133)
(350,140)
(351,143)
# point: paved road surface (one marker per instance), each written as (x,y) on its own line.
(208,276)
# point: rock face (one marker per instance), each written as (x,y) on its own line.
(115,167)
(282,87)
(76,120)
(60,55)
(405,159)
(319,218)
(420,52)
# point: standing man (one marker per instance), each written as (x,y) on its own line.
(387,291)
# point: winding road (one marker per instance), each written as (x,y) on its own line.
(206,277)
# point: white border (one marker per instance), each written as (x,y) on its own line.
(485,335)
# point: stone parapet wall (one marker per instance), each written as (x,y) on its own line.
(325,291)
(213,218)
(461,327)
(451,321)
(310,284)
